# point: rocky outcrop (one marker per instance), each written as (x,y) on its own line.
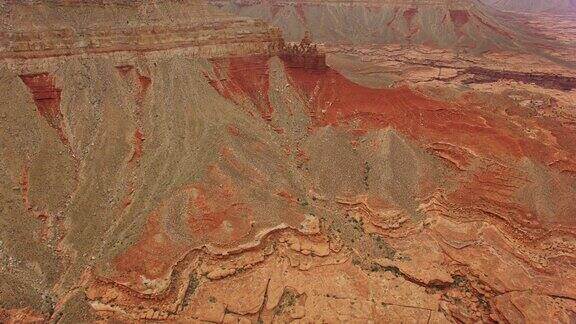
(304,54)
(552,81)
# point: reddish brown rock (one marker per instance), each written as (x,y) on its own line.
(47,98)
(212,175)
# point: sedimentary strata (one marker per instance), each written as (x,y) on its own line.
(113,26)
(481,75)
(263,185)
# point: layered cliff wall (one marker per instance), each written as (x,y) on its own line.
(547,80)
(36,29)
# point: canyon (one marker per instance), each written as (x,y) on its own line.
(286,161)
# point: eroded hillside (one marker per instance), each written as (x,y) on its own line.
(224,184)
(468,25)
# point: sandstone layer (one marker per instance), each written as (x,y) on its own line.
(59,28)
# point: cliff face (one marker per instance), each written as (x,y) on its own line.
(56,28)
